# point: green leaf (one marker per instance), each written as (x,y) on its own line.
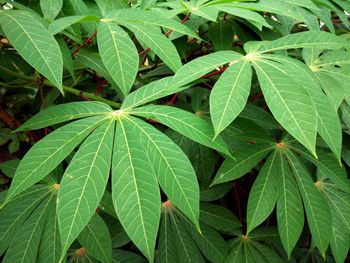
(66,55)
(201,66)
(118,54)
(166,243)
(221,34)
(230,94)
(65,112)
(187,250)
(9,167)
(25,244)
(135,196)
(263,194)
(218,217)
(81,8)
(289,102)
(290,214)
(95,238)
(316,207)
(186,123)
(15,213)
(50,243)
(268,254)
(51,8)
(84,183)
(246,159)
(236,254)
(49,152)
(34,43)
(121,256)
(307,39)
(63,23)
(215,192)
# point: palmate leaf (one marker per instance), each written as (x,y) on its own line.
(51,8)
(174,171)
(246,158)
(34,43)
(290,214)
(230,94)
(263,194)
(184,122)
(46,154)
(65,112)
(135,191)
(289,102)
(84,183)
(95,238)
(316,207)
(25,244)
(118,54)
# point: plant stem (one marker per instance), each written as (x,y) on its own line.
(87,41)
(65,88)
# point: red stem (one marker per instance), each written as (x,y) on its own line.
(238,205)
(171,102)
(214,73)
(82,45)
(256,97)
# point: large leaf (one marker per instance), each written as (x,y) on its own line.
(62,23)
(51,8)
(34,43)
(46,154)
(25,244)
(135,190)
(118,54)
(95,238)
(65,112)
(166,243)
(230,94)
(202,65)
(309,39)
(84,183)
(221,34)
(246,158)
(289,102)
(173,169)
(317,211)
(263,194)
(290,214)
(186,123)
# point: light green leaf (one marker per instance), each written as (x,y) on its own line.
(15,213)
(290,214)
(201,66)
(174,171)
(51,8)
(317,210)
(50,243)
(84,183)
(159,43)
(34,43)
(331,58)
(49,152)
(166,244)
(95,238)
(184,122)
(230,94)
(62,23)
(246,158)
(135,196)
(65,112)
(218,217)
(25,244)
(307,39)
(118,54)
(263,194)
(289,102)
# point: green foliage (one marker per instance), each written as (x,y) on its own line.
(174,131)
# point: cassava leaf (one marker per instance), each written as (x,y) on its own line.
(51,8)
(63,23)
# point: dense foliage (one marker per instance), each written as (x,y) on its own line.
(174,131)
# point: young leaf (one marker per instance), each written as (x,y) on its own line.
(293,110)
(246,159)
(34,43)
(230,94)
(46,154)
(95,238)
(51,8)
(84,183)
(316,207)
(290,214)
(118,54)
(263,194)
(65,112)
(186,123)
(135,189)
